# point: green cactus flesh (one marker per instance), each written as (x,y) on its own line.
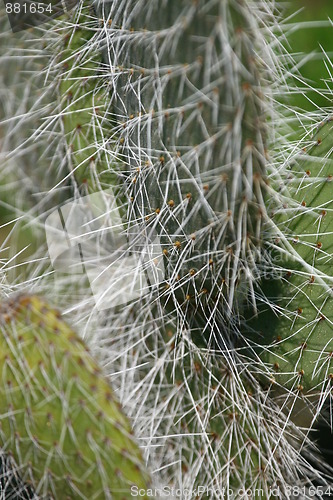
(191,109)
(293,331)
(86,117)
(60,419)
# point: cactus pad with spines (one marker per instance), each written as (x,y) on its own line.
(294,332)
(60,419)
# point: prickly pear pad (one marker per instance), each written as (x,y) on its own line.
(59,417)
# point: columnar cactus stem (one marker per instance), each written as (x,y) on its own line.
(192,105)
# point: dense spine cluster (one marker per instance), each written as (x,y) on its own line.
(229,436)
(191,100)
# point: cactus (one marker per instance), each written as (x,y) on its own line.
(60,420)
(187,112)
(192,101)
(198,173)
(293,330)
(85,113)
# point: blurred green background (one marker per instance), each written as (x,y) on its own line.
(307,37)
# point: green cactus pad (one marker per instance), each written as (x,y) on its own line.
(59,417)
(294,333)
